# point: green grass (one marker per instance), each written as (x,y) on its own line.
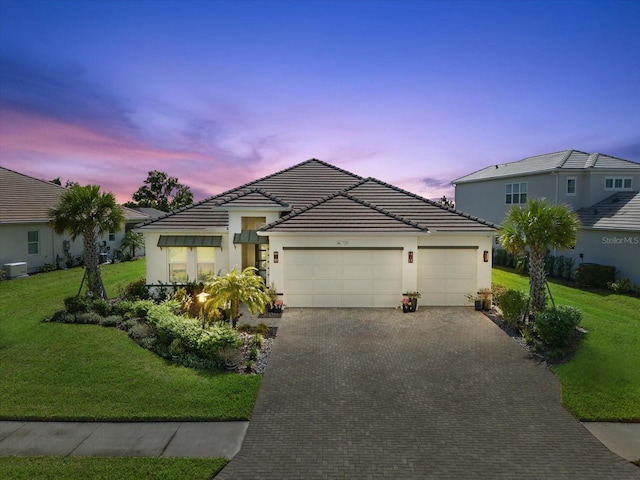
(602,381)
(109,468)
(53,371)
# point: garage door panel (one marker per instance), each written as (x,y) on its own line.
(350,278)
(326,271)
(447,276)
(357,286)
(357,271)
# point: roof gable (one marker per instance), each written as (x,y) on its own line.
(342,213)
(620,211)
(253,198)
(564,160)
(424,212)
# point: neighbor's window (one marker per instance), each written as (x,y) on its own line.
(571,186)
(112,236)
(516,193)
(617,183)
(33,242)
(177,258)
(205,262)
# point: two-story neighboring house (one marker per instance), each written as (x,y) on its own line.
(602,189)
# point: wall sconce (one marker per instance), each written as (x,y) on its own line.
(410,257)
(275,257)
(485,256)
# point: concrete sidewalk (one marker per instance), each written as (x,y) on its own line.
(135,439)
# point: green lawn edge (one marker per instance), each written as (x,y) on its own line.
(52,371)
(602,381)
(109,468)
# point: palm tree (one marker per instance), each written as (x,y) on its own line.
(88,212)
(133,240)
(538,227)
(235,288)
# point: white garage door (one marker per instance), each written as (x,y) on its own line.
(342,278)
(447,275)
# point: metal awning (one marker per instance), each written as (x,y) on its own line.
(190,241)
(250,237)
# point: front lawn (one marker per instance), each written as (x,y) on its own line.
(54,371)
(109,468)
(602,381)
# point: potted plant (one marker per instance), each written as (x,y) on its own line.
(413,300)
(484,294)
(406,304)
(477,301)
(277,307)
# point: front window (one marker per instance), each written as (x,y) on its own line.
(571,186)
(177,258)
(33,242)
(617,183)
(112,236)
(516,193)
(205,263)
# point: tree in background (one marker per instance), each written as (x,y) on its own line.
(88,212)
(132,240)
(162,192)
(536,228)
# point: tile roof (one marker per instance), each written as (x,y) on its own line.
(24,199)
(324,198)
(424,212)
(564,160)
(342,212)
(620,211)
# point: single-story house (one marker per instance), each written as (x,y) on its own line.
(325,237)
(27,243)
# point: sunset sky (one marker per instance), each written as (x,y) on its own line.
(218,93)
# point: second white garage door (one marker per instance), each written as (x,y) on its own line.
(342,277)
(447,275)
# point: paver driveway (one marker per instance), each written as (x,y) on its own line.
(442,393)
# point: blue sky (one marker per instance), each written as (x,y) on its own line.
(217,93)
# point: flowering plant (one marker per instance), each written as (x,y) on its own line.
(278,303)
(406,301)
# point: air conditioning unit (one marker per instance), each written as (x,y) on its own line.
(15,270)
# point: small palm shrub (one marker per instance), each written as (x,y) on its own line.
(513,304)
(555,326)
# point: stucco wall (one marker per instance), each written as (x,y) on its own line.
(610,247)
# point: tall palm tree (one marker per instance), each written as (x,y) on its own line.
(88,212)
(536,228)
(235,288)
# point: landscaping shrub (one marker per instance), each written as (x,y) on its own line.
(129,323)
(555,326)
(620,286)
(101,306)
(89,317)
(205,343)
(137,290)
(148,342)
(62,316)
(141,308)
(262,328)
(594,275)
(141,330)
(513,304)
(111,321)
(77,304)
(123,308)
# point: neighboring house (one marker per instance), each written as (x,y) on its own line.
(603,190)
(326,237)
(24,232)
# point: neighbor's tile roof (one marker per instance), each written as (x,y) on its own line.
(564,160)
(620,211)
(25,199)
(324,198)
(426,213)
(342,213)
